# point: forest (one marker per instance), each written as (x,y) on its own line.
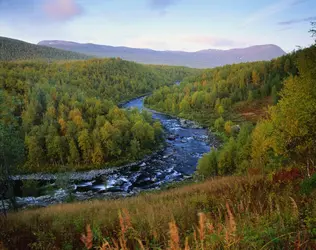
(284,133)
(16,50)
(66,113)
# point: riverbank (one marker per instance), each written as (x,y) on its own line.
(83,175)
(175,162)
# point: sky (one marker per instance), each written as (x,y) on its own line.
(187,25)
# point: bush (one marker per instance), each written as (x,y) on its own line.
(227,158)
(207,165)
(308,185)
(219,124)
(228,127)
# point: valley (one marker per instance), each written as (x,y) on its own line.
(128,148)
(175,162)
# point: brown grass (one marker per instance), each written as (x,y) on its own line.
(87,240)
(227,212)
(254,110)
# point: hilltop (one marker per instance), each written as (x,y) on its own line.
(12,49)
(199,59)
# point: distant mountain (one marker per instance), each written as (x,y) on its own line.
(12,49)
(200,59)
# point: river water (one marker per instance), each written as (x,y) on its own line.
(176,162)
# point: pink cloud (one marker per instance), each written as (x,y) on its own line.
(61,9)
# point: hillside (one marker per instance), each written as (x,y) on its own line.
(12,49)
(221,213)
(262,111)
(217,92)
(65,113)
(200,59)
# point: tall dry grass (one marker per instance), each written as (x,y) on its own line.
(222,213)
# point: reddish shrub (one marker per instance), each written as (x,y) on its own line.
(288,175)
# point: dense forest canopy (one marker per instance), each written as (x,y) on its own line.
(12,49)
(66,112)
(285,137)
(216,90)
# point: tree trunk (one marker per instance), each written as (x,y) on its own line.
(307,168)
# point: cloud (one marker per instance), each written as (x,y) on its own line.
(38,11)
(270,10)
(299,2)
(301,20)
(284,28)
(61,9)
(213,41)
(162,5)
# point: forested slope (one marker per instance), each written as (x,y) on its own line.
(214,92)
(12,49)
(285,134)
(66,113)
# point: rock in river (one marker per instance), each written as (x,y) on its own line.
(189,124)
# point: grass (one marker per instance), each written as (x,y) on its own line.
(222,213)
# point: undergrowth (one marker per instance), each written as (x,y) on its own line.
(221,213)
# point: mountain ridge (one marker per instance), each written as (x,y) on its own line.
(13,49)
(199,59)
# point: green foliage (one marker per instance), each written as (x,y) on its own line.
(244,142)
(233,157)
(11,49)
(262,144)
(11,146)
(213,93)
(228,127)
(274,95)
(68,116)
(294,118)
(309,185)
(207,165)
(219,124)
(287,135)
(227,158)
(250,96)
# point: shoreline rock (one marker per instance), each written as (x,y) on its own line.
(189,124)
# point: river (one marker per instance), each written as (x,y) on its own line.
(176,162)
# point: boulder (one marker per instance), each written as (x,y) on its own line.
(235,129)
(171,137)
(189,124)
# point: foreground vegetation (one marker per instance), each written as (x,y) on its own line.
(223,213)
(12,49)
